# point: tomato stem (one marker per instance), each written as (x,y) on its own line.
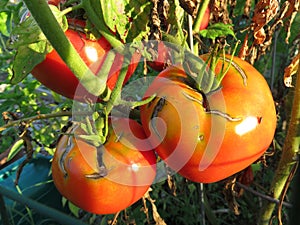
(116,92)
(47,22)
(70,9)
(134,104)
(289,157)
(39,117)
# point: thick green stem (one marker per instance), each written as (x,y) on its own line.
(50,27)
(201,12)
(116,92)
(288,158)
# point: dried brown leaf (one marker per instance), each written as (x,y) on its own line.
(190,6)
(231,195)
(157,218)
(290,70)
(220,12)
(264,12)
(291,14)
(244,49)
(247,8)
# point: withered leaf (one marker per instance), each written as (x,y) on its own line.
(290,70)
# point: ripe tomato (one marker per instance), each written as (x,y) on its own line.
(206,138)
(161,61)
(55,74)
(54,2)
(109,178)
(205,20)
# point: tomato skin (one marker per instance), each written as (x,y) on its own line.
(54,2)
(200,144)
(130,170)
(55,74)
(205,20)
(161,62)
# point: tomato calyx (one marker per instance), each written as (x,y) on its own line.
(205,104)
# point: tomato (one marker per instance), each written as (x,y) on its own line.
(54,2)
(208,137)
(205,20)
(163,56)
(109,178)
(55,74)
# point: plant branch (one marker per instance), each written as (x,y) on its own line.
(45,19)
(116,92)
(37,117)
(266,197)
(288,158)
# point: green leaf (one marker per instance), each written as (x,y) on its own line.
(128,19)
(25,60)
(217,30)
(3,25)
(138,12)
(175,19)
(114,16)
(31,44)
(74,209)
(15,149)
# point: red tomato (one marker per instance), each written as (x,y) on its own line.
(54,2)
(109,178)
(54,73)
(163,56)
(205,20)
(207,138)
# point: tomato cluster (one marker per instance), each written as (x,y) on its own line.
(205,137)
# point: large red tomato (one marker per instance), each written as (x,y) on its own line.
(54,73)
(206,138)
(109,178)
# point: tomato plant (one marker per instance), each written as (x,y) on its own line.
(55,74)
(109,178)
(208,137)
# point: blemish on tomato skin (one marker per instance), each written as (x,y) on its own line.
(259,119)
(201,137)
